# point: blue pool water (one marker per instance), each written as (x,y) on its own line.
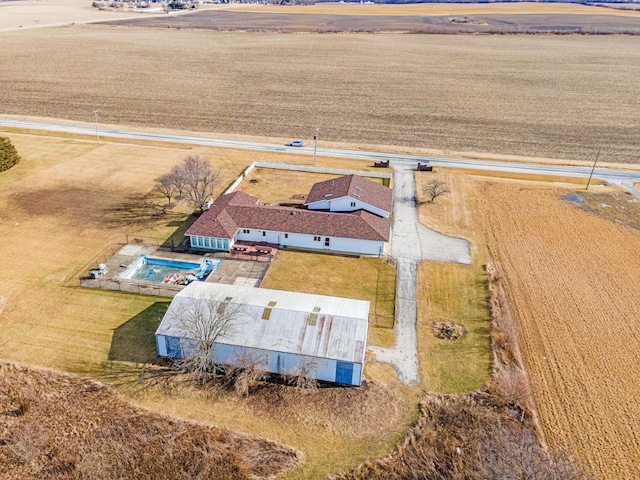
(160,270)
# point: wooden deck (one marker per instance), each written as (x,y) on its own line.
(260,252)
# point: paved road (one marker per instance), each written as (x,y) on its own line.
(620,177)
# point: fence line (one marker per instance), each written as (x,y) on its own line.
(239,180)
(102,257)
(334,171)
(143,240)
(130,286)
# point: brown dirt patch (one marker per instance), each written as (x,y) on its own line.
(447,330)
(54,425)
(572,278)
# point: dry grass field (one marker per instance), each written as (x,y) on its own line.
(454,293)
(541,96)
(574,283)
(58,426)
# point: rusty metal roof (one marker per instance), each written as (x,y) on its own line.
(298,323)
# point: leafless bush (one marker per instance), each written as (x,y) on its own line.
(301,376)
(245,374)
(458,438)
(513,388)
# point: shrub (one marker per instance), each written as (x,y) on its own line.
(8,154)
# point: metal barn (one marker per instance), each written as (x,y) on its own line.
(284,331)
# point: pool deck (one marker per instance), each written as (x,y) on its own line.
(248,269)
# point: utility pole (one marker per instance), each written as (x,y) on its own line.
(95,117)
(593,168)
(315,145)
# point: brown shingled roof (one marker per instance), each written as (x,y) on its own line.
(367,191)
(227,214)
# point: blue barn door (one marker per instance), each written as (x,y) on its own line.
(173,347)
(344,373)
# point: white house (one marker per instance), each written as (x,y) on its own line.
(349,194)
(283,331)
(361,229)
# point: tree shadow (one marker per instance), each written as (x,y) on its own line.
(136,210)
(134,340)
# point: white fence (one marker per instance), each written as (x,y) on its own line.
(302,168)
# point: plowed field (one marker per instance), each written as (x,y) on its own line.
(574,282)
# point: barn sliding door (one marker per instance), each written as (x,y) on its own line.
(344,373)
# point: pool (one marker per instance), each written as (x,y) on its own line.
(162,270)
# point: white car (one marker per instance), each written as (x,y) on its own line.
(295,143)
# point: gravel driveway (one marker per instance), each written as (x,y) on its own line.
(411,243)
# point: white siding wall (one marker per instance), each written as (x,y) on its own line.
(343,204)
(299,240)
(161,345)
(351,245)
(320,205)
(274,361)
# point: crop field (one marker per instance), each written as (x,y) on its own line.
(540,96)
(576,19)
(573,279)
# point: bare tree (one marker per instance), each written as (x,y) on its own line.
(203,323)
(435,188)
(167,186)
(195,180)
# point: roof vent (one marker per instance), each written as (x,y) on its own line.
(328,195)
(357,195)
(292,213)
(358,188)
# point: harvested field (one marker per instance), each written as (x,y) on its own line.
(573,279)
(424,9)
(563,98)
(58,426)
(599,21)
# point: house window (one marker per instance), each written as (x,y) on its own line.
(326,242)
(286,235)
(264,234)
(225,244)
(219,243)
(353,204)
(245,230)
(316,239)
